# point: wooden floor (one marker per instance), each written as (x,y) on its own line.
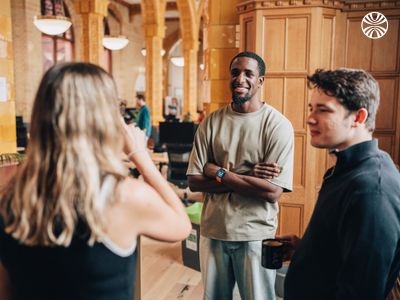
(164,277)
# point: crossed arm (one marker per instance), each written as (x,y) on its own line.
(254,183)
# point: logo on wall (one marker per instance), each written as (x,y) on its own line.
(374,25)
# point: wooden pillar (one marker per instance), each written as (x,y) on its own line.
(220,20)
(154,78)
(190,81)
(7,103)
(153,12)
(168,42)
(92,13)
(189,21)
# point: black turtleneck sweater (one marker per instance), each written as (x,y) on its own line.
(351,248)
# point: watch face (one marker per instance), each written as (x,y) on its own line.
(220,173)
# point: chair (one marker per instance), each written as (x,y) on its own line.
(178,160)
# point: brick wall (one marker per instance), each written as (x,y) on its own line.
(27,54)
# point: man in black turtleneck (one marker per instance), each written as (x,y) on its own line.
(351,248)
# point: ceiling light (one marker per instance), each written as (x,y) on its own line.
(178,61)
(52,25)
(115,42)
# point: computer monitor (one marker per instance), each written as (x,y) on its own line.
(177,132)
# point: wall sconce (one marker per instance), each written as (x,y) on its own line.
(53,20)
(115,42)
(144,51)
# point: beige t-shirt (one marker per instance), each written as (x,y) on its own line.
(237,141)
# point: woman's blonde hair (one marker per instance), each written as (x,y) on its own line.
(75,142)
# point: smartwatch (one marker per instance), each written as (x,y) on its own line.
(220,174)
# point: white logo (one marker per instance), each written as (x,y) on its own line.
(374,25)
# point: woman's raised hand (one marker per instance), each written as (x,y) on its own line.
(134,139)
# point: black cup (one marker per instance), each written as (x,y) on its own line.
(272,254)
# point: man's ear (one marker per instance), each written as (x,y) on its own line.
(360,117)
(261,80)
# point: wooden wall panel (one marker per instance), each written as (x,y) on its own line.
(273,91)
(274,43)
(299,161)
(295,102)
(384,51)
(295,38)
(358,46)
(218,64)
(385,118)
(327,42)
(221,91)
(381,58)
(291,218)
(386,142)
(297,44)
(249,35)
(285,47)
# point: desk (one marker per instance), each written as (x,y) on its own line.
(159,158)
(21,150)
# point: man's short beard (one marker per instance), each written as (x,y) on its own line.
(239,100)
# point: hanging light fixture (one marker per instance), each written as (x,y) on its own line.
(115,42)
(53,20)
(111,41)
(178,61)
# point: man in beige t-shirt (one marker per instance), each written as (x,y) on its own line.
(242,159)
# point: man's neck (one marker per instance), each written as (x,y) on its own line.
(249,106)
(359,138)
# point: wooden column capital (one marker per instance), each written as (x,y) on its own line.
(92,13)
(92,6)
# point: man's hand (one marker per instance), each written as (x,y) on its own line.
(210,169)
(266,170)
(290,244)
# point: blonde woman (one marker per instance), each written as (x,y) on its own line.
(70,218)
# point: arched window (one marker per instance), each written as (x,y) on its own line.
(107,53)
(59,48)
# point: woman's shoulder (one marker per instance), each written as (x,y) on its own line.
(135,192)
(131,188)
